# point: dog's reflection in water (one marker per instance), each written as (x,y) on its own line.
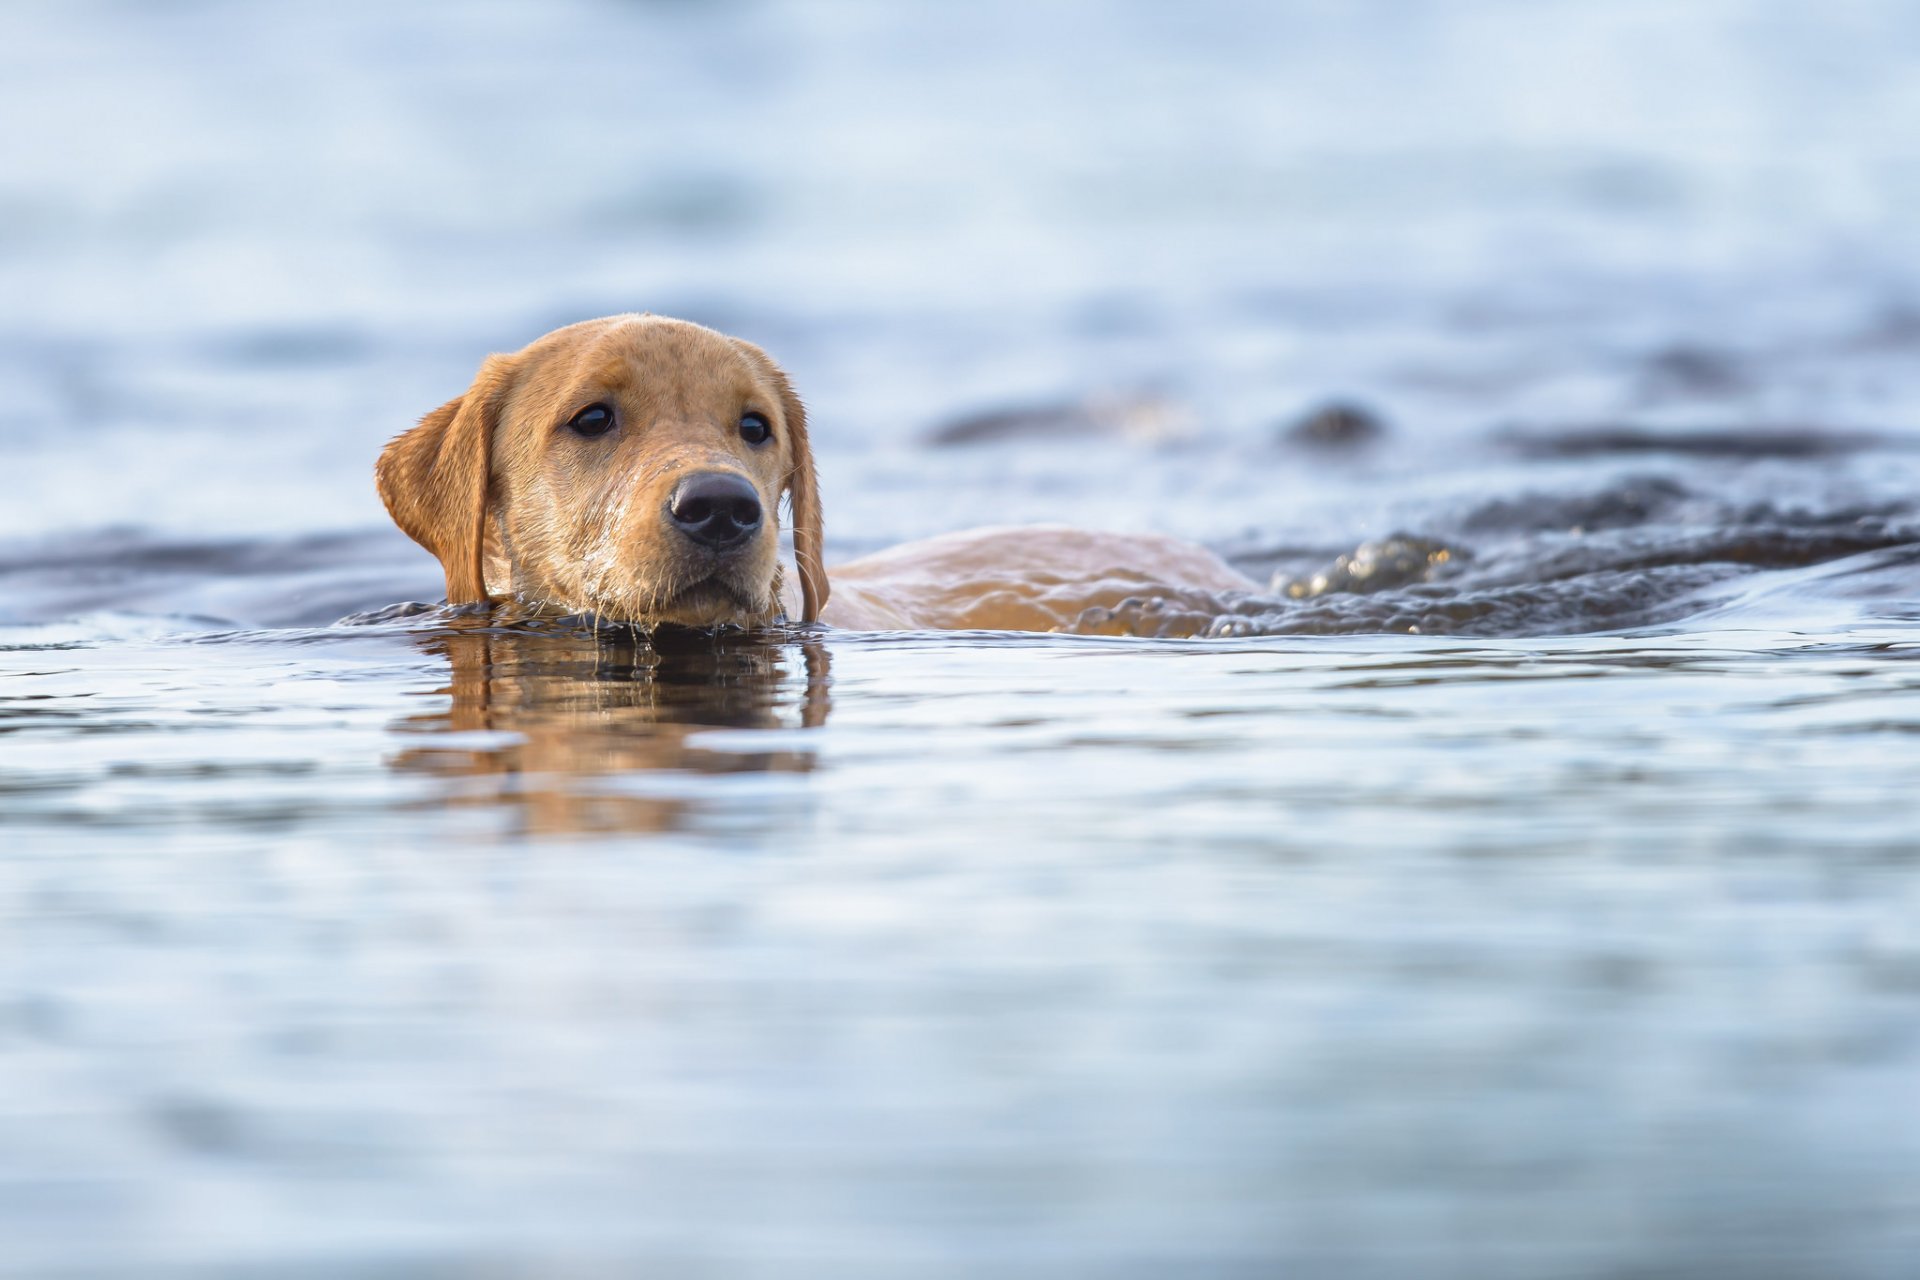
(570,712)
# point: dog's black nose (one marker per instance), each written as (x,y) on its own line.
(717,509)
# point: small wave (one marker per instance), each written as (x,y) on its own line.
(101,628)
(309,580)
(1629,501)
(1639,554)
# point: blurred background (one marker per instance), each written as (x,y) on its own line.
(241,245)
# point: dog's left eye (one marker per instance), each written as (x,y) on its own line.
(594,420)
(754,428)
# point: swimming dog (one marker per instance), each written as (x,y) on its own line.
(632,468)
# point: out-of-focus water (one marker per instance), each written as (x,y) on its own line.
(1524,886)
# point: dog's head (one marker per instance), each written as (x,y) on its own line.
(630,467)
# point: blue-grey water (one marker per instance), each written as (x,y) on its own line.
(1523,886)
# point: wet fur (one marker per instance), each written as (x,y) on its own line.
(516,505)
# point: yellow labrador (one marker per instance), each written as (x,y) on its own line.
(632,468)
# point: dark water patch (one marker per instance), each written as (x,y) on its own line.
(1751,546)
(1734,442)
(202,1126)
(304,580)
(1631,500)
(1592,602)
(213,769)
(1337,425)
(291,347)
(135,553)
(1140,418)
(1893,328)
(15,718)
(1690,371)
(705,204)
(37,784)
(180,810)
(1117,315)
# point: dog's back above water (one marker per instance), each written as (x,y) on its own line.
(632,468)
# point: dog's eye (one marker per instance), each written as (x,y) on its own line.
(594,420)
(754,428)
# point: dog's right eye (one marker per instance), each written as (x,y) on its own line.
(594,420)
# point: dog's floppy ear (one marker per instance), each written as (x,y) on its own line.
(808,531)
(803,488)
(434,479)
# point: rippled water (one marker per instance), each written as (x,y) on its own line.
(1522,885)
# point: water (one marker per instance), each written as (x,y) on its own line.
(1522,885)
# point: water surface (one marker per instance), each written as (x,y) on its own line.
(1521,885)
